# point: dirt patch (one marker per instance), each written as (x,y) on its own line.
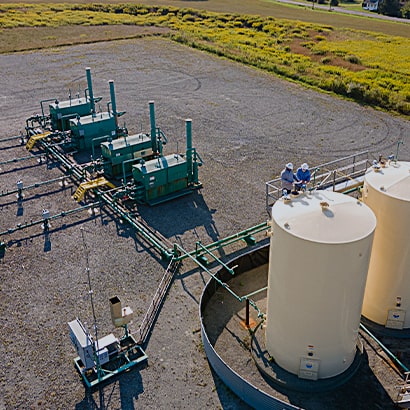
(306,47)
(298,47)
(35,38)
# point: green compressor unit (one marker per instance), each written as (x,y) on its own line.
(162,178)
(90,130)
(119,155)
(62,111)
(87,131)
(168,177)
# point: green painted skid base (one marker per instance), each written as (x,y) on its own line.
(129,356)
(174,195)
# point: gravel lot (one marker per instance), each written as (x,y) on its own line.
(246,125)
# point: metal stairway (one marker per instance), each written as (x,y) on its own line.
(34,138)
(87,185)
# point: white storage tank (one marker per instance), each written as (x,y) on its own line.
(387,297)
(319,255)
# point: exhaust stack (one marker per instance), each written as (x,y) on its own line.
(90,90)
(113,102)
(188,126)
(153,127)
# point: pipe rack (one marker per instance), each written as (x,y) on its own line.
(10,161)
(223,284)
(41,221)
(32,186)
(245,235)
(166,249)
(15,137)
(153,237)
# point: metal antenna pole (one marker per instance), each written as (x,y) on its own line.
(95,350)
(90,292)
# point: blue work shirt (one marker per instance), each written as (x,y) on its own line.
(303,175)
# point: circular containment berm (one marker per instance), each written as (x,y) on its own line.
(386,191)
(319,255)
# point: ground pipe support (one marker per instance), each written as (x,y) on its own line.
(19,190)
(46,216)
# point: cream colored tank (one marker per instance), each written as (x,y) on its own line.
(387,295)
(319,255)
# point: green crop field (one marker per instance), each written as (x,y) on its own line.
(370,67)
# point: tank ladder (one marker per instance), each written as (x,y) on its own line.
(34,138)
(157,301)
(87,185)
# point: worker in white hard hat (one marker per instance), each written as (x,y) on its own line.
(287,178)
(303,176)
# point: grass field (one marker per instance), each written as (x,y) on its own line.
(280,10)
(371,67)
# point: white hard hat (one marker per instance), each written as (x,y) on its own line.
(289,165)
(305,166)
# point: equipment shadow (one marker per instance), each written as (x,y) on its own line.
(128,386)
(180,215)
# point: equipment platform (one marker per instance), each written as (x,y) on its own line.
(131,354)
